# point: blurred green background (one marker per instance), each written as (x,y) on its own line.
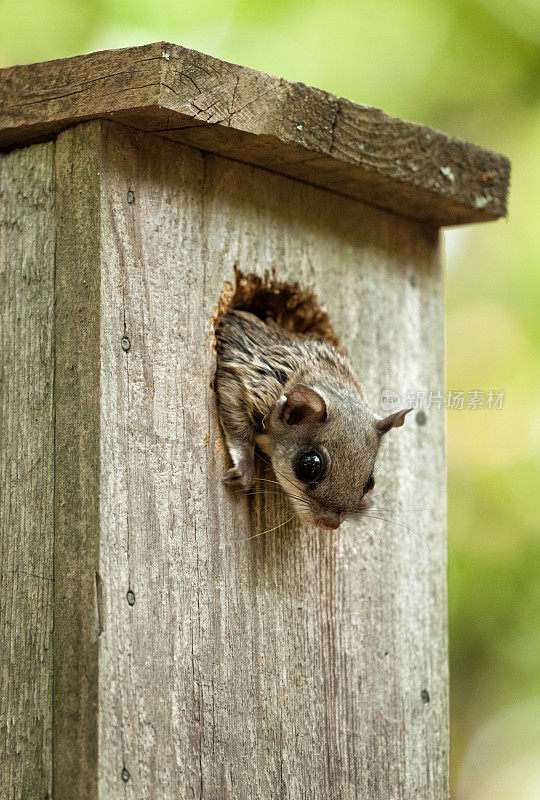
(472,69)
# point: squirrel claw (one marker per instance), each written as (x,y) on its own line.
(239,478)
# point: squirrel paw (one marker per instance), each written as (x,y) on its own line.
(240,477)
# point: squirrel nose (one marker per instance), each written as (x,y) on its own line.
(328,522)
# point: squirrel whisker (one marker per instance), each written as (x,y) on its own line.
(395,522)
(251,492)
(268,463)
(267,531)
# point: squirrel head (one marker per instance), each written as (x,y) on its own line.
(323,444)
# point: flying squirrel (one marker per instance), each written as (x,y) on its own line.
(296,398)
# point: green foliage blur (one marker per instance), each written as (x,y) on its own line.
(471,68)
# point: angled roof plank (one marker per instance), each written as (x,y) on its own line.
(247,115)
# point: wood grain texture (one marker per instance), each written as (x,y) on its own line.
(260,119)
(26,471)
(189,659)
(77,587)
(291,665)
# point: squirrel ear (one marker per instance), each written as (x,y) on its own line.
(303,404)
(393,421)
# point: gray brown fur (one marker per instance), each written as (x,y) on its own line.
(259,365)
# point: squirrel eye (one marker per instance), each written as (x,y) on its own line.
(370,484)
(309,467)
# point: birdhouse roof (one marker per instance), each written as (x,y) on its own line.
(247,115)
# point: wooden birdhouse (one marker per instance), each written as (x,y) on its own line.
(157,643)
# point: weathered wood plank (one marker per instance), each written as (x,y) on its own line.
(77,614)
(249,116)
(291,665)
(26,470)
